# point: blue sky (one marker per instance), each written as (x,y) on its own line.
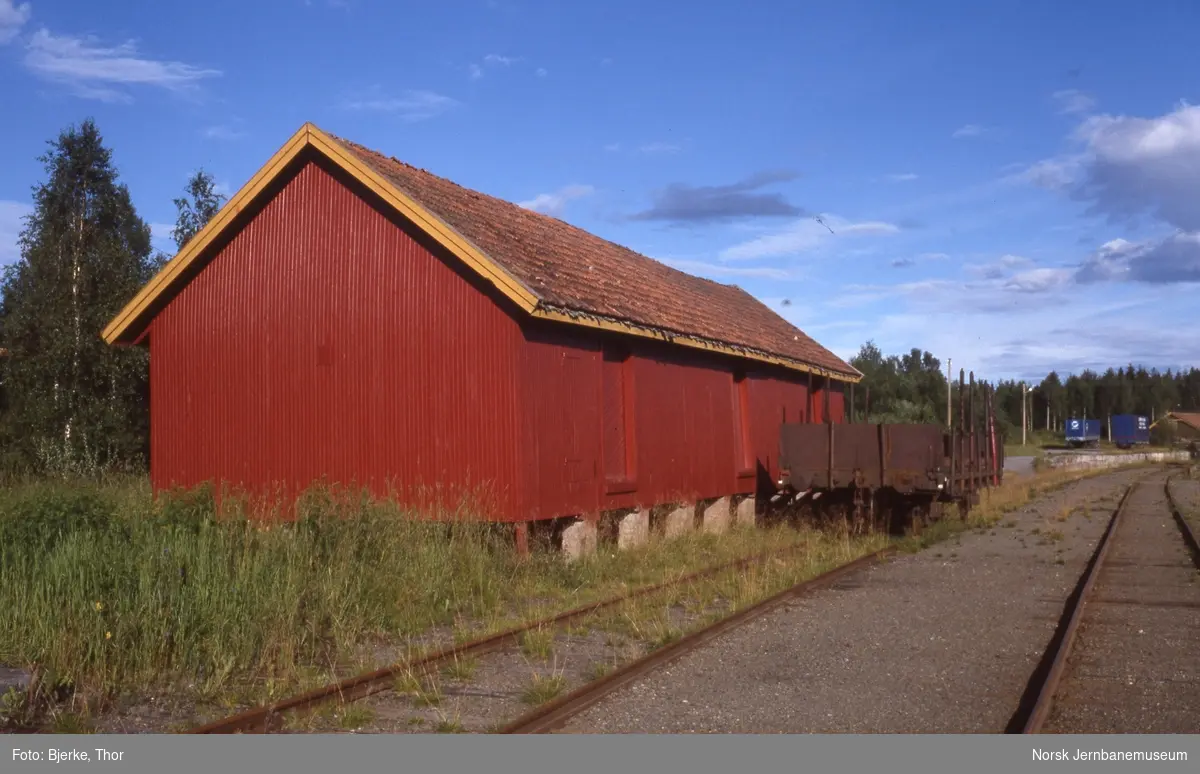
(1016,187)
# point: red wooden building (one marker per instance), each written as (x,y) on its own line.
(350,318)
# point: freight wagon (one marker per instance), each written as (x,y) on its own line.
(1130,430)
(1083,432)
(893,476)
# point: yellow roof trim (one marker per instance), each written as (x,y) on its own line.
(120,324)
(310,136)
(590,321)
(425,220)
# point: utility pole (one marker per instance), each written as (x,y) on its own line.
(1024,396)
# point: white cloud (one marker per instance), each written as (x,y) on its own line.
(970,130)
(613,147)
(411,106)
(998,269)
(475,71)
(1128,167)
(553,203)
(722,270)
(903,177)
(160,234)
(1074,101)
(12,222)
(660,147)
(93,70)
(1056,174)
(804,235)
(12,19)
(222,132)
(1175,259)
(1039,280)
(540,72)
(1026,335)
(1139,166)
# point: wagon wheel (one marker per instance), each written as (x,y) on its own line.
(917,516)
(859,514)
(935,511)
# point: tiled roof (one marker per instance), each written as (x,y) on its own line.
(569,269)
(1192,419)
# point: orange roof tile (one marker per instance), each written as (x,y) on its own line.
(571,270)
(1189,418)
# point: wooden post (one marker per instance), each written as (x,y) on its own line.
(808,409)
(962,425)
(522,539)
(972,442)
(825,385)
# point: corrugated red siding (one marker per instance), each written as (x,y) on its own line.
(682,429)
(324,341)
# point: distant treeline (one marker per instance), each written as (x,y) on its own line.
(912,388)
(71,404)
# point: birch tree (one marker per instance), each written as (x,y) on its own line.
(73,401)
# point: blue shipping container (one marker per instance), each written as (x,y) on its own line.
(1130,429)
(1083,431)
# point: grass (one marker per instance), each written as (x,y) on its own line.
(355,716)
(110,591)
(542,689)
(538,643)
(462,668)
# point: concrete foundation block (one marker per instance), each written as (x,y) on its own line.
(633,529)
(679,522)
(717,517)
(746,513)
(579,539)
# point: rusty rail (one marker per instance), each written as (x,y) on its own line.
(1189,537)
(262,719)
(1061,650)
(553,715)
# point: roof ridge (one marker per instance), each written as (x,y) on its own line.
(573,271)
(533,213)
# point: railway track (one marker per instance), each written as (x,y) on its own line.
(1114,664)
(269,718)
(553,715)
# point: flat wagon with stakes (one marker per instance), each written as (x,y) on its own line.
(892,476)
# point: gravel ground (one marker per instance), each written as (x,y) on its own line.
(1187,498)
(497,688)
(942,641)
(1135,665)
(1019,466)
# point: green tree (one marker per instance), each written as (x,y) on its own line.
(196,212)
(72,400)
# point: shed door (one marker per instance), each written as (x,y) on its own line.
(580,426)
(577,468)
